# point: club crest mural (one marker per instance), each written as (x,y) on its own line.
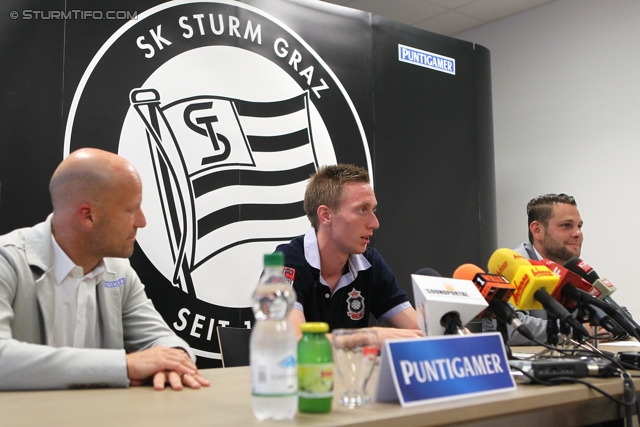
(226,108)
(225,128)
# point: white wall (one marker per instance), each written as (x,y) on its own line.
(566,103)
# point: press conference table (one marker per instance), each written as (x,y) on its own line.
(227,403)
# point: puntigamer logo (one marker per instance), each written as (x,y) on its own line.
(422,58)
(221,108)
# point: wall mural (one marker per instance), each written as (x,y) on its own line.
(226,108)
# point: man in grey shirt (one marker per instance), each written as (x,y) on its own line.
(73,312)
(555,233)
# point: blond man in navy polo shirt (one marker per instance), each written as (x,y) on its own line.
(337,278)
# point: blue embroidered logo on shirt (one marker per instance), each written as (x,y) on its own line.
(115,283)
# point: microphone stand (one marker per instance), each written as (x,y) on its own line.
(592,323)
(501,326)
(552,329)
(578,338)
(552,334)
(565,331)
(594,332)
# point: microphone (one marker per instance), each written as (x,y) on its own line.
(582,297)
(534,285)
(450,320)
(444,305)
(466,272)
(566,277)
(598,317)
(496,290)
(582,269)
(605,287)
(428,272)
(572,287)
(559,311)
(527,278)
(576,288)
(491,286)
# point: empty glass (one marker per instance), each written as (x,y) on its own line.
(355,354)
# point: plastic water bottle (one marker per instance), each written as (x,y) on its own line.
(273,345)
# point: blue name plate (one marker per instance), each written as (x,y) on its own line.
(441,368)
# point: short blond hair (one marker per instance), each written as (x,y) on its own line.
(326,188)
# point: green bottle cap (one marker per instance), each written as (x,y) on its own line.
(274,259)
(314,327)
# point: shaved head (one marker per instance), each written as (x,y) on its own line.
(87,176)
(96,197)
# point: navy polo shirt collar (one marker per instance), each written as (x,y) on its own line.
(355,263)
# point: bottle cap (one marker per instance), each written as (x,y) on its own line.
(314,327)
(274,259)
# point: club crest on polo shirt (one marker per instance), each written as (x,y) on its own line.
(289,274)
(355,305)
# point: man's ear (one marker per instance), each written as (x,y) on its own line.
(86,215)
(324,214)
(537,230)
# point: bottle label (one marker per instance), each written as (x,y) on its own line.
(315,380)
(274,377)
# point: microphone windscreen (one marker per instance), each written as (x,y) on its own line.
(467,271)
(605,287)
(428,272)
(566,277)
(525,277)
(582,269)
(506,262)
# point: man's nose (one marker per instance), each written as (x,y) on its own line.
(141,220)
(374,223)
(577,231)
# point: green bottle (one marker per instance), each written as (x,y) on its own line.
(315,369)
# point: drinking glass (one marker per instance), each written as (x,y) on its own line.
(355,354)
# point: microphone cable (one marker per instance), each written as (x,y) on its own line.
(629,398)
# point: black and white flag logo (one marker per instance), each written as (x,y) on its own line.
(236,181)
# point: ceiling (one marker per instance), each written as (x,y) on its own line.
(447,17)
